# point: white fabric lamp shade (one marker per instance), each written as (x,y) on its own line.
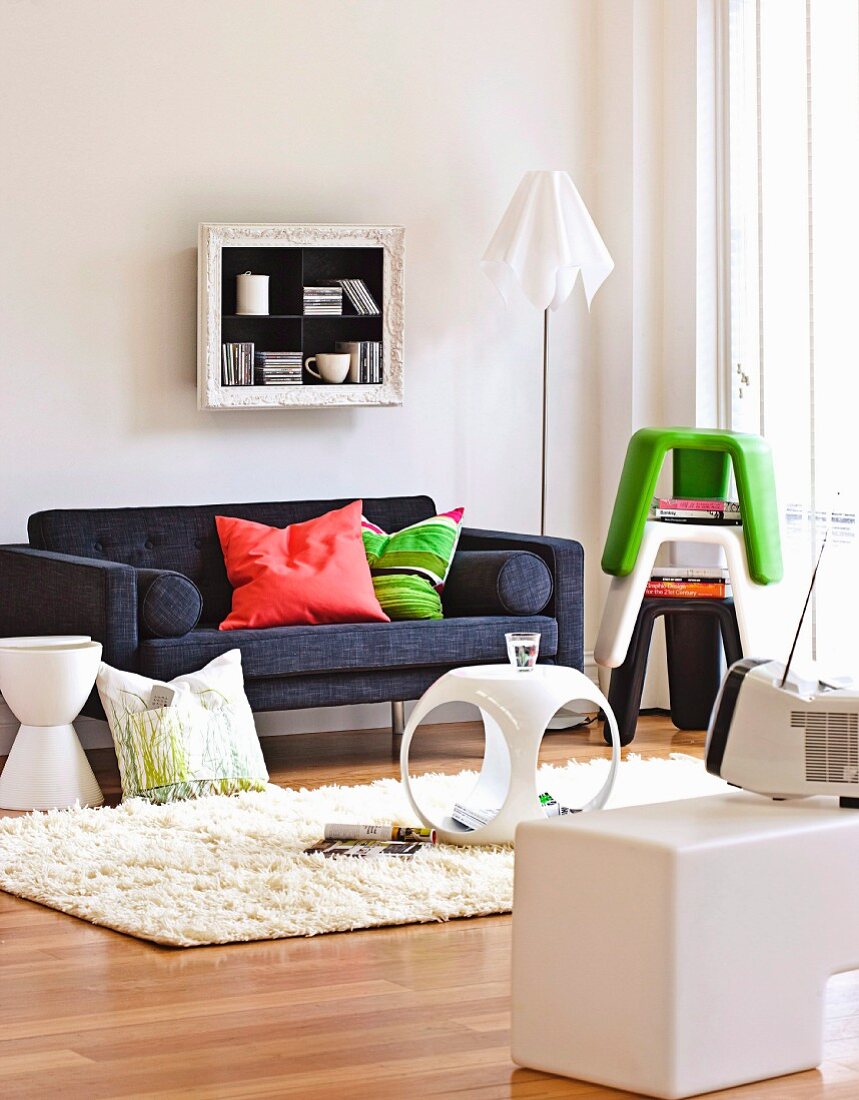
(545,239)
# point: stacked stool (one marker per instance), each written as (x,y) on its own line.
(702,462)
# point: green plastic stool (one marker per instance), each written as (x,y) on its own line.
(702,461)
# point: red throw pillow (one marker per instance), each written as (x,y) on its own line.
(307,573)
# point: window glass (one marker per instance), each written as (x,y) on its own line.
(794,256)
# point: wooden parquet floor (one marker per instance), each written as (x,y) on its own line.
(386,1014)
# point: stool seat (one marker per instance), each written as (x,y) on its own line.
(753,602)
(702,460)
(693,629)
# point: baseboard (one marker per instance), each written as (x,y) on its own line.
(94,734)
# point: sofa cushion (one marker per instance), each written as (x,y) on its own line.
(299,650)
(410,566)
(497,582)
(168,604)
(305,574)
(184,539)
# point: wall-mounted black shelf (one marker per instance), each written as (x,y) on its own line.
(294,257)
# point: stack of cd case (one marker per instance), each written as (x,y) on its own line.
(278,368)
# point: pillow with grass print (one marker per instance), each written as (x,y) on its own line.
(204,742)
(409,567)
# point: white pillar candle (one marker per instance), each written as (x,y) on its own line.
(252,293)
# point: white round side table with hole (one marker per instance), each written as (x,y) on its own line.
(45,681)
(516,708)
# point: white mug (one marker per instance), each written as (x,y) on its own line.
(333,366)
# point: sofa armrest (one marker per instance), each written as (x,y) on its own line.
(497,582)
(565,559)
(46,593)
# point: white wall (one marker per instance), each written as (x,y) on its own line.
(644,335)
(645,203)
(124,124)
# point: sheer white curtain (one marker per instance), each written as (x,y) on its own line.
(794,275)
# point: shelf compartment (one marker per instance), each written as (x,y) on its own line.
(324,265)
(280,334)
(283,267)
(321,333)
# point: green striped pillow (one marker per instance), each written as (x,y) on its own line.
(409,567)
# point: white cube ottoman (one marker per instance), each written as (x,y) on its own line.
(679,948)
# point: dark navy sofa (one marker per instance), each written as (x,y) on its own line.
(150,584)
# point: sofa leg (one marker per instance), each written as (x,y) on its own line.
(398,719)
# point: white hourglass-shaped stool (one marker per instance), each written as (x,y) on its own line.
(45,682)
(516,708)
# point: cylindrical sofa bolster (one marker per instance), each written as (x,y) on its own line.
(169,604)
(497,582)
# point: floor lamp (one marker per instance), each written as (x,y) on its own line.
(545,239)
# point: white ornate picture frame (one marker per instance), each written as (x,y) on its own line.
(214,237)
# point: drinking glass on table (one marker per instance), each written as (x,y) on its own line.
(523,650)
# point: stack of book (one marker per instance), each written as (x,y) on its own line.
(237,364)
(369,357)
(323,301)
(358,293)
(689,582)
(278,368)
(698,510)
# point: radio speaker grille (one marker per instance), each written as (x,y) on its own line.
(831,745)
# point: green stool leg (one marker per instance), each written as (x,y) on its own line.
(751,458)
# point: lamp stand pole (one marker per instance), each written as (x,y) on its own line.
(566,718)
(544,490)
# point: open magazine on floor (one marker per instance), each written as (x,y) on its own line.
(474,817)
(373,841)
(367,849)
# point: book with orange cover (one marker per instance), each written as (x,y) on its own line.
(683,590)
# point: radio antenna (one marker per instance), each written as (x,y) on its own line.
(804,609)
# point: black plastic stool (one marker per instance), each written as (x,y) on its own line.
(693,631)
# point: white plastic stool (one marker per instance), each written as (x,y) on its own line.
(45,682)
(679,948)
(623,603)
(516,708)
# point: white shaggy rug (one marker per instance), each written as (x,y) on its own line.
(220,870)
